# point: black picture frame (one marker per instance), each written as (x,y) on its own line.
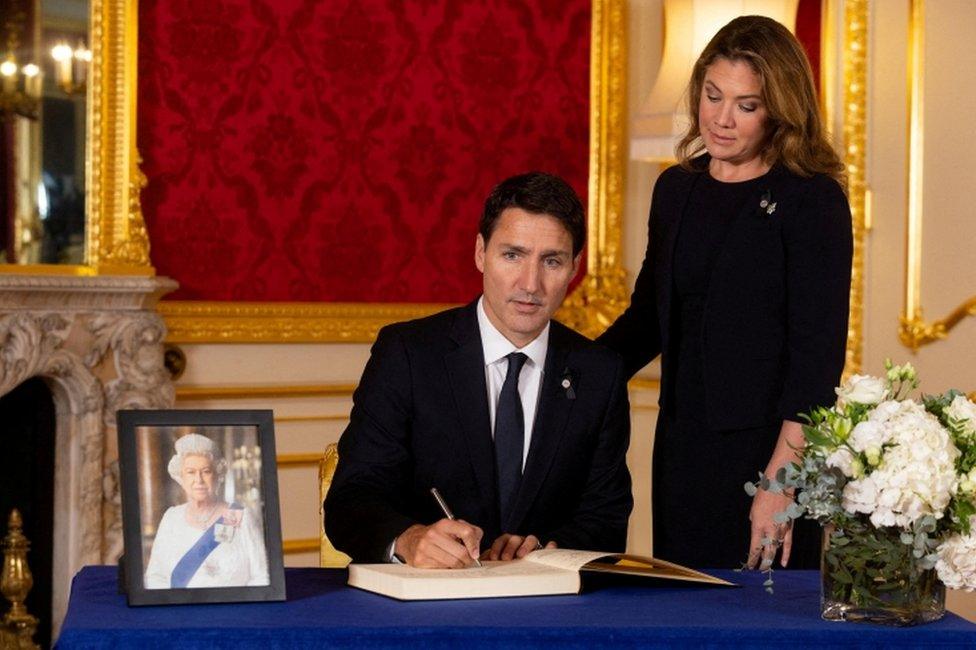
(144,437)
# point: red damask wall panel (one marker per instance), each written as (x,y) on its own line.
(341,150)
(808,29)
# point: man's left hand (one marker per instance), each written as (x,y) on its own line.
(512,547)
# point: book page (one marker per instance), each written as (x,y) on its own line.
(651,567)
(565,558)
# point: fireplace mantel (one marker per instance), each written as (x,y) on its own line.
(98,344)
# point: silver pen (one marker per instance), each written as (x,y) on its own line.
(447,511)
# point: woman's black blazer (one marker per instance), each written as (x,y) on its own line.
(776,308)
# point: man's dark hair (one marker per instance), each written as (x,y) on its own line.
(538,193)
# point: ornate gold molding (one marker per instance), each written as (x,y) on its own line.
(913,330)
(594,304)
(197,393)
(216,322)
(311,418)
(116,238)
(855,140)
(299,460)
(603,294)
(117,241)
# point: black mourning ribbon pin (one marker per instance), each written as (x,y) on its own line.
(568,383)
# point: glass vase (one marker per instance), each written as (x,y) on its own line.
(870,576)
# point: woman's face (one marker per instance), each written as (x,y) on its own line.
(731,113)
(197,478)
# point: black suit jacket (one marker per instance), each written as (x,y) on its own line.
(420,419)
(776,308)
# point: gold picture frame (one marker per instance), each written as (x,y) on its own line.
(116,242)
(913,330)
(593,305)
(854,116)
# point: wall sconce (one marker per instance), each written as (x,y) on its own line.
(71,66)
(20,85)
(688,26)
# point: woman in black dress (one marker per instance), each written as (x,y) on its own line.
(744,292)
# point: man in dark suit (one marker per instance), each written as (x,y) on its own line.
(525,459)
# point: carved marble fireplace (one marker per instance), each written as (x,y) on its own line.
(97,342)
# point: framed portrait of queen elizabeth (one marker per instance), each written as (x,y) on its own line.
(200,513)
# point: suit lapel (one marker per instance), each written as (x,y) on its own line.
(466,372)
(552,414)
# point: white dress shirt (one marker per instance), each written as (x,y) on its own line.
(496,347)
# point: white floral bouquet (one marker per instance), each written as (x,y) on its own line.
(893,480)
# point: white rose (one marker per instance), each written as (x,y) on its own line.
(963,410)
(862,389)
(957,561)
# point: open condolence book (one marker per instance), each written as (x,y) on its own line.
(543,572)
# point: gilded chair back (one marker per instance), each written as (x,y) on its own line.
(328,555)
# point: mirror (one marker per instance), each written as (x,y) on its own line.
(68,163)
(45,66)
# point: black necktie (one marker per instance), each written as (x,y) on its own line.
(509,438)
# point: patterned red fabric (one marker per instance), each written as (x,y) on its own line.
(341,151)
(808,17)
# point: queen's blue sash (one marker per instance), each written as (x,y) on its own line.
(188,565)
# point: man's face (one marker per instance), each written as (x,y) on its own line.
(526,265)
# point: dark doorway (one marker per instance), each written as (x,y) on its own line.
(27,431)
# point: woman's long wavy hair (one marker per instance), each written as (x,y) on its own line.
(795,134)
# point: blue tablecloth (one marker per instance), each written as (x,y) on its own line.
(321,611)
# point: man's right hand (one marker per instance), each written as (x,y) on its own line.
(446,544)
